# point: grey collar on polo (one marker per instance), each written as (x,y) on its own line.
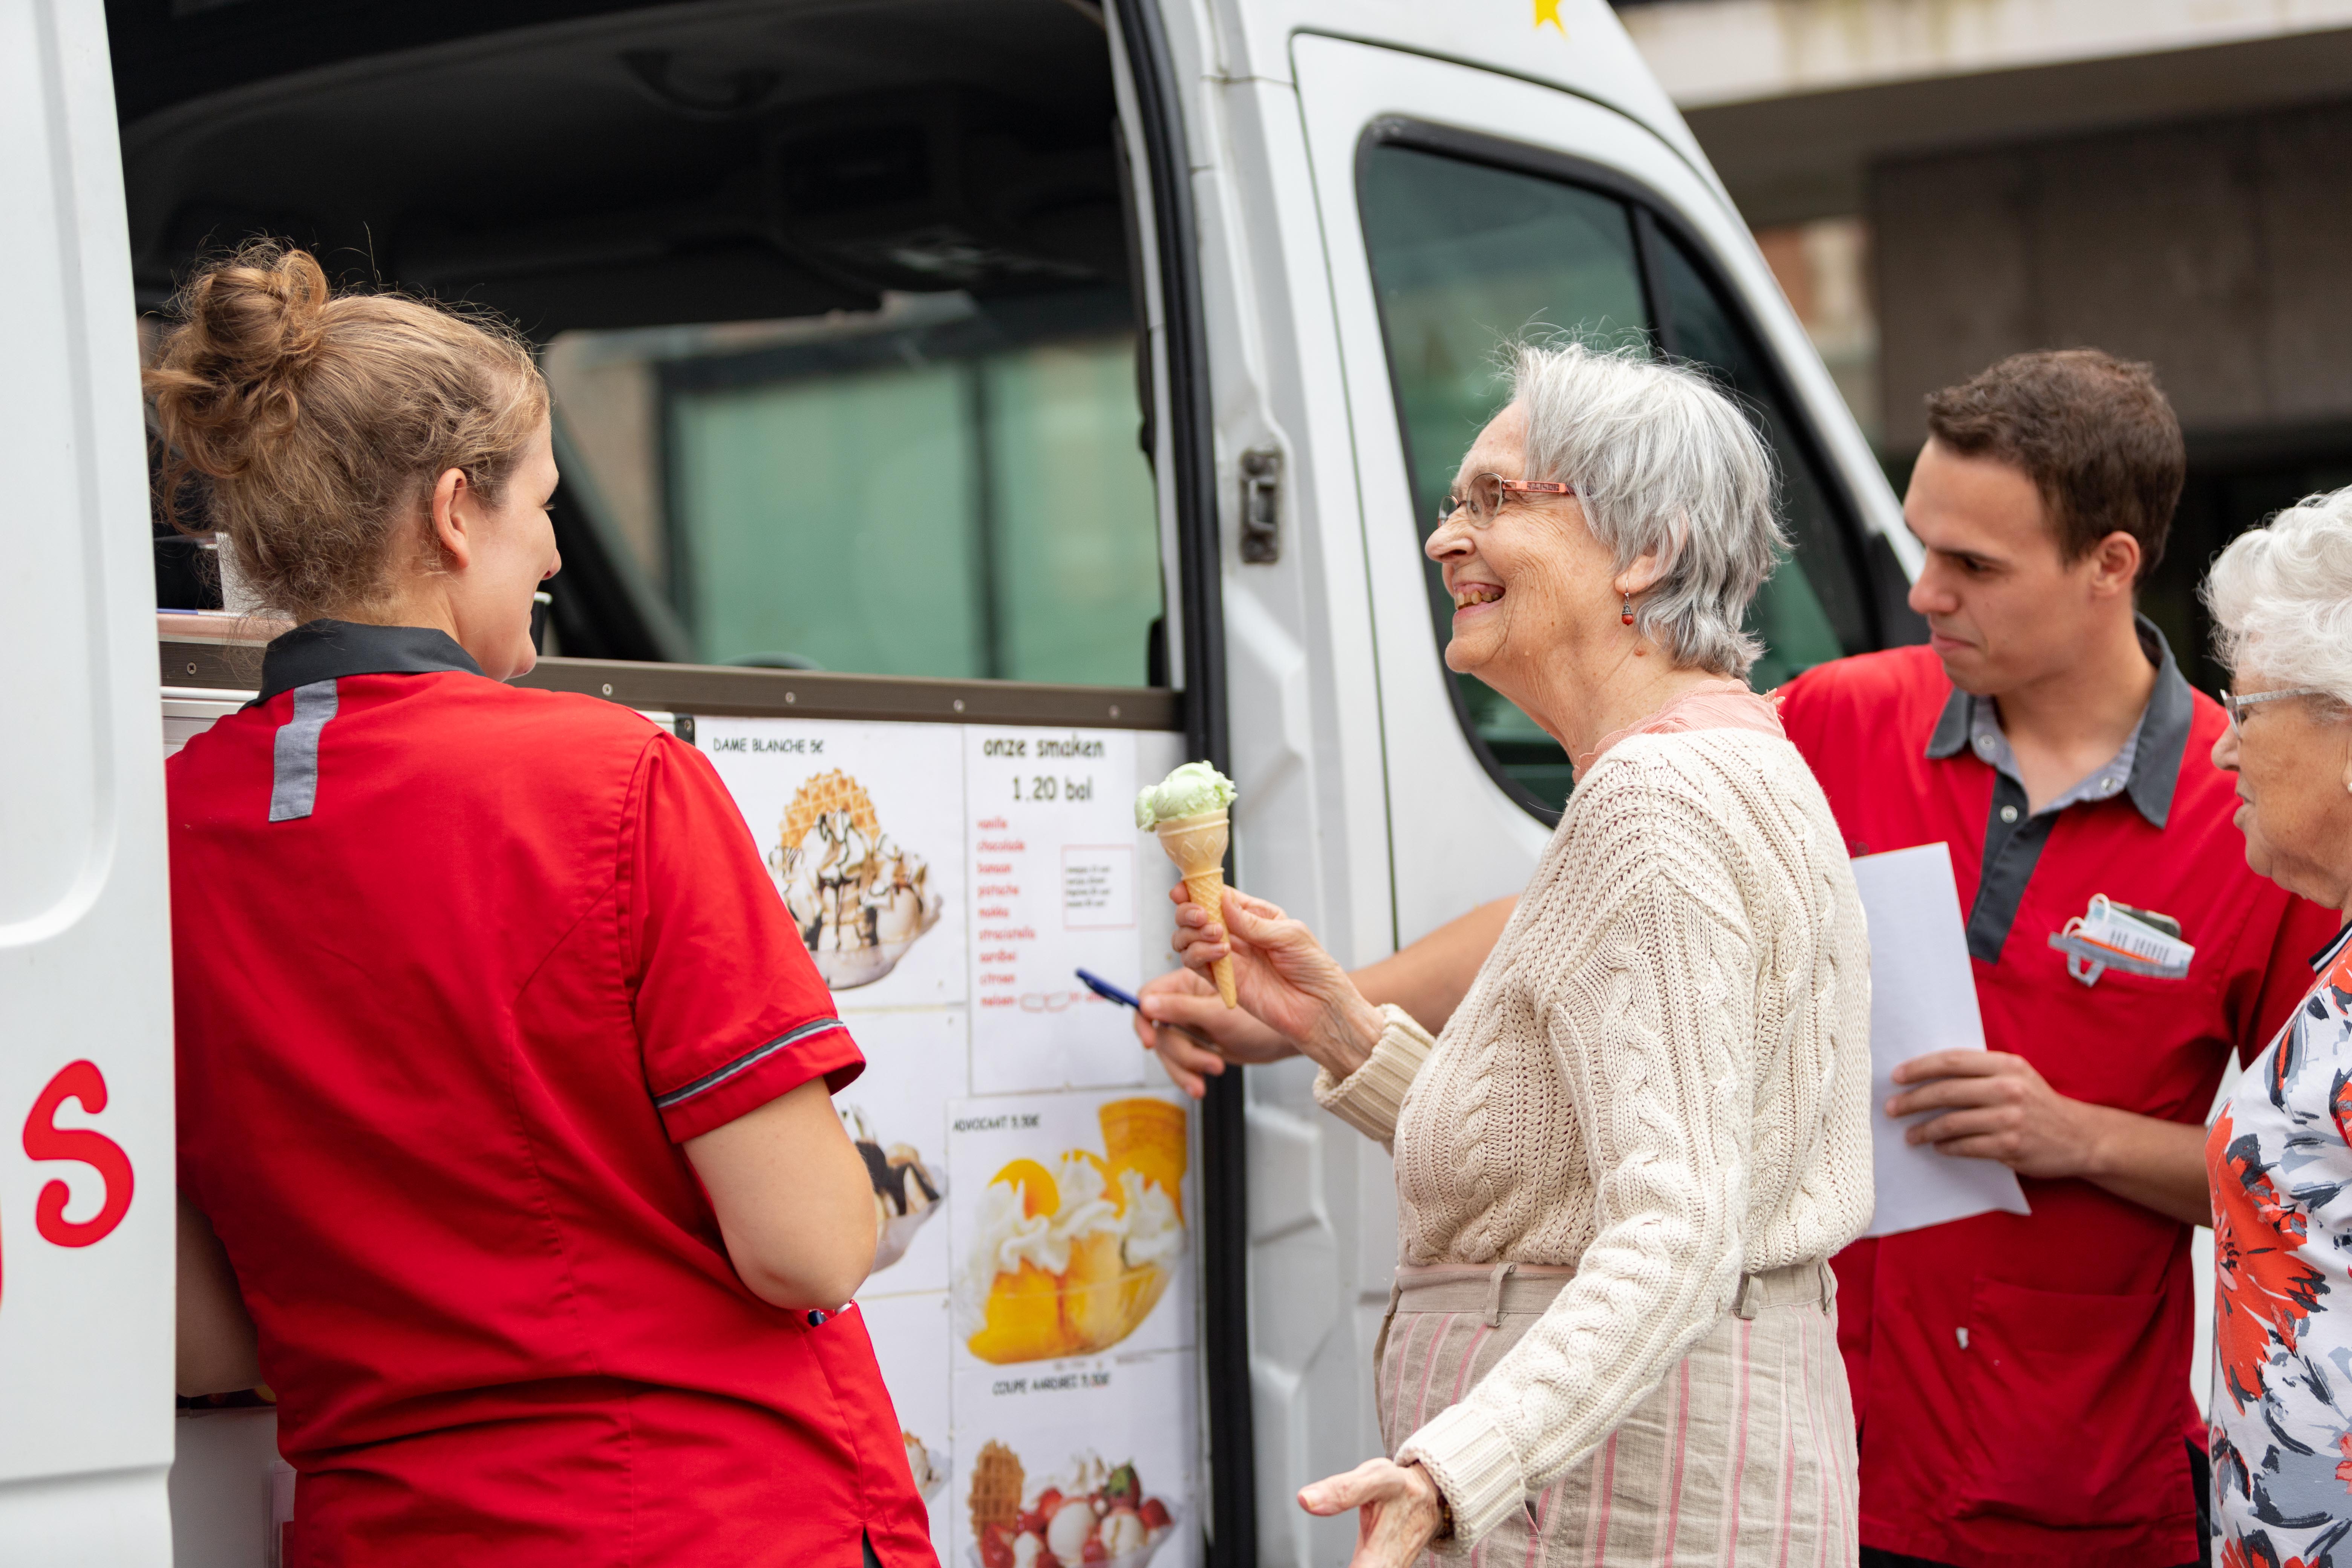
(308,661)
(2146,768)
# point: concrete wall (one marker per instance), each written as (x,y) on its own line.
(2221,250)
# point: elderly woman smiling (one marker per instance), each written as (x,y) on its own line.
(1621,1167)
(2277,1156)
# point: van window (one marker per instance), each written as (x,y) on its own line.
(1466,257)
(938,488)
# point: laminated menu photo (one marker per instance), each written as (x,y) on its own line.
(897,1115)
(1069,1225)
(1090,1467)
(861,827)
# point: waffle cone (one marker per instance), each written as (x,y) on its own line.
(1208,891)
(1197,844)
(821,796)
(996,1481)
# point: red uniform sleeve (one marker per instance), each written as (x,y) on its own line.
(730,1012)
(2285,978)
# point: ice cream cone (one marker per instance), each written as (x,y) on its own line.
(1197,844)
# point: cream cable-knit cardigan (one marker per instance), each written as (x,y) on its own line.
(1661,1077)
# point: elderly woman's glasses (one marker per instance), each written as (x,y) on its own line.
(1484,496)
(2235,706)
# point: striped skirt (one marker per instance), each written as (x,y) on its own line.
(1742,1458)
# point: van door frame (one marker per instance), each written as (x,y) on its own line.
(1141,34)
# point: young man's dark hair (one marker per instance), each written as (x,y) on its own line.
(2092,431)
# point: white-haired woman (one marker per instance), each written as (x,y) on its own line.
(1621,1167)
(2278,1157)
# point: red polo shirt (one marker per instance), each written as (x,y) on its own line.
(457,967)
(2023,1381)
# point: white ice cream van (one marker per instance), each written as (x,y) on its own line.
(1000,399)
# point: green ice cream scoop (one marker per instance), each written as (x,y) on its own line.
(1191,789)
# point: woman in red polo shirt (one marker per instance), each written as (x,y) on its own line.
(503,1076)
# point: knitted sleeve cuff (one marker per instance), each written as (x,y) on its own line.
(1474,1466)
(1368,1099)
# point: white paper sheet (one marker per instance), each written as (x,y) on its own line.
(1923,998)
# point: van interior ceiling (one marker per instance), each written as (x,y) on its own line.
(868,171)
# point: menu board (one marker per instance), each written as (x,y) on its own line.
(1032,1302)
(1054,891)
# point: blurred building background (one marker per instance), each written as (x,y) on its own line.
(1939,182)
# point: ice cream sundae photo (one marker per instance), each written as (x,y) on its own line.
(907,1192)
(1069,1256)
(859,898)
(1093,1517)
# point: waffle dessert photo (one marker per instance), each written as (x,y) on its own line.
(1093,1517)
(859,898)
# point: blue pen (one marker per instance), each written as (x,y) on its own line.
(1109,993)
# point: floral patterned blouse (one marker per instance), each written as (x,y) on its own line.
(2280,1160)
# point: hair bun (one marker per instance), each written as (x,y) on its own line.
(322,423)
(252,322)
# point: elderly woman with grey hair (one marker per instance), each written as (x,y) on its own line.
(2278,1156)
(1622,1168)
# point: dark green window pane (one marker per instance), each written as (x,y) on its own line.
(984,514)
(1075,527)
(1467,259)
(830,519)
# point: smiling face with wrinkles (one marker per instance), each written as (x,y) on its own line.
(1532,590)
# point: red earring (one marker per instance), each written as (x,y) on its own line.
(1626,614)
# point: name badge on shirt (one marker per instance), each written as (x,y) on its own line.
(2116,936)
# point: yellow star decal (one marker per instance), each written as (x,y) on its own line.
(1549,11)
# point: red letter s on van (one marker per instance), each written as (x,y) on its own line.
(44,1139)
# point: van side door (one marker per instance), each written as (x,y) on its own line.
(86,1178)
(1394,193)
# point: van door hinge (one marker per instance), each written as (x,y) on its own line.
(1261,506)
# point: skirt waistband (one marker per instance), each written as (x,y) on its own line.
(1529,1288)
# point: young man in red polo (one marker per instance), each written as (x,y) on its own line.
(2022,1382)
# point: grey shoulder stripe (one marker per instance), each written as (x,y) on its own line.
(294,780)
(745,1062)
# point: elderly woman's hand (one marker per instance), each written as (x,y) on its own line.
(1398,1508)
(1282,975)
(1216,1033)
